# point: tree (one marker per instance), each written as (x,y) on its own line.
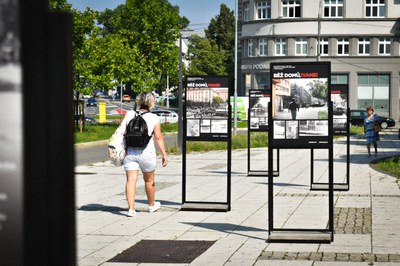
(84,25)
(214,55)
(205,57)
(149,30)
(221,31)
(134,43)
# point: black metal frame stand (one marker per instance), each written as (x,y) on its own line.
(336,185)
(206,205)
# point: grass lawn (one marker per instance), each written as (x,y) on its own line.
(96,132)
(390,166)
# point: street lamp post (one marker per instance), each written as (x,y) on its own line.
(235,81)
(180,111)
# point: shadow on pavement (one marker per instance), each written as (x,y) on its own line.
(101,207)
(282,184)
(230,228)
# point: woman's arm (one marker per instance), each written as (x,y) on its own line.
(377,118)
(159,138)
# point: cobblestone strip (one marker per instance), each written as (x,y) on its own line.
(329,256)
(352,220)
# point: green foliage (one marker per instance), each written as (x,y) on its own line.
(221,31)
(205,58)
(134,43)
(214,55)
(84,24)
(59,5)
(169,127)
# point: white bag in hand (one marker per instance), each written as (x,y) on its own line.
(116,149)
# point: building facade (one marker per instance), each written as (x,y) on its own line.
(359,37)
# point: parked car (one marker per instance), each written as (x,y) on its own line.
(126,98)
(89,119)
(357,119)
(166,116)
(91,102)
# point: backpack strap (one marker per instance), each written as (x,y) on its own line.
(139,113)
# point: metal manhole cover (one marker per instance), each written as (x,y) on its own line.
(163,251)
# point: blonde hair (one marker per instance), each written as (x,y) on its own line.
(146,100)
(370,108)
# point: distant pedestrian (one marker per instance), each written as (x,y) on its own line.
(293,108)
(371,131)
(143,159)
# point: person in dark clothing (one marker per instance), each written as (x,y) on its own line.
(293,108)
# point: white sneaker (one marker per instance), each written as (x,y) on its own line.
(156,206)
(129,213)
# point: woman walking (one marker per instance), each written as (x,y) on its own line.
(371,133)
(143,159)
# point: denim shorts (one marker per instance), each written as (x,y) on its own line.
(140,160)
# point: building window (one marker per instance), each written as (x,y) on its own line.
(291,9)
(324,46)
(375,8)
(246,12)
(333,8)
(250,48)
(301,46)
(339,79)
(262,47)
(264,9)
(262,81)
(384,46)
(280,46)
(343,46)
(373,90)
(363,46)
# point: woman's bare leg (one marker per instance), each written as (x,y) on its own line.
(130,187)
(150,187)
(369,149)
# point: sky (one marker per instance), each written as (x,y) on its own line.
(199,12)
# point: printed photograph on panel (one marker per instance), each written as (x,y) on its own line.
(339,123)
(339,100)
(207,102)
(292,129)
(219,126)
(254,123)
(193,128)
(259,109)
(300,98)
(279,129)
(313,128)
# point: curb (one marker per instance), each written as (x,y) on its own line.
(90,144)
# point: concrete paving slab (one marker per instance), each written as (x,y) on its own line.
(241,234)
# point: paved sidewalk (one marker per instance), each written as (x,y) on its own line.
(367,218)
